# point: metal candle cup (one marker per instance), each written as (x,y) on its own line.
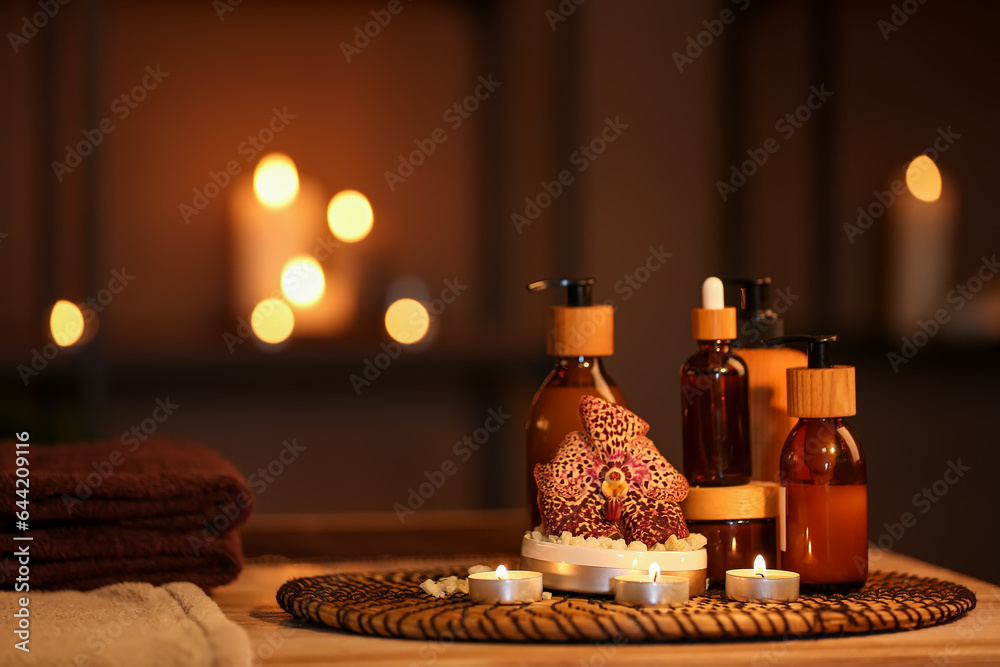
(761,584)
(503,587)
(650,590)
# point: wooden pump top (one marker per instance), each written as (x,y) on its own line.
(578,329)
(822,389)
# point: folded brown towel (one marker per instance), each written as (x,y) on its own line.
(101,513)
(164,482)
(217,563)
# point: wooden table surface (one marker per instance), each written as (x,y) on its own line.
(277,639)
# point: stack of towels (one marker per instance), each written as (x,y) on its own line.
(101,513)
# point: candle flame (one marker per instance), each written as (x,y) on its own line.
(758,564)
(501,572)
(654,572)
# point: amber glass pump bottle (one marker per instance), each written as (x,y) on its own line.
(579,335)
(823,504)
(714,410)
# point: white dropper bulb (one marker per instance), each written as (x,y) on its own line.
(712,297)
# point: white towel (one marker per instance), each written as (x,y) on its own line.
(124,625)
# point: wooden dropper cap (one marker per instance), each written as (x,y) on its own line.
(578,329)
(822,389)
(713,321)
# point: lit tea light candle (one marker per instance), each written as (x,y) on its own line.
(650,590)
(761,584)
(503,587)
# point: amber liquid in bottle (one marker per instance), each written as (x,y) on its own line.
(555,411)
(825,533)
(715,417)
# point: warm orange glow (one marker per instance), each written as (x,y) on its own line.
(276,181)
(66,323)
(501,571)
(759,564)
(923,179)
(654,571)
(350,216)
(407,321)
(302,281)
(272,321)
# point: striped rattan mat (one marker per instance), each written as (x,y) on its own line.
(391,604)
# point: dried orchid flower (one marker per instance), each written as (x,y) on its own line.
(611,481)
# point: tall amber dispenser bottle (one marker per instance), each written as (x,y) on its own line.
(767,368)
(579,335)
(823,504)
(714,411)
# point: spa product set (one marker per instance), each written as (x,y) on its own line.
(772,474)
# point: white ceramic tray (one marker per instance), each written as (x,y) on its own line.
(592,570)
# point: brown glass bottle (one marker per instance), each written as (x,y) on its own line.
(715,416)
(825,533)
(555,412)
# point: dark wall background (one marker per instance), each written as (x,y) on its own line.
(561,80)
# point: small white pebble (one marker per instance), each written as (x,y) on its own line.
(546,595)
(636,545)
(618,545)
(659,547)
(432,589)
(697,540)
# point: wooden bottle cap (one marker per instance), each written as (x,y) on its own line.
(756,500)
(581,331)
(821,392)
(712,324)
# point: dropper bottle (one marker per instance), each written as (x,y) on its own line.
(714,410)
(579,335)
(823,504)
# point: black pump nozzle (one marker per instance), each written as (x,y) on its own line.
(754,308)
(579,291)
(820,351)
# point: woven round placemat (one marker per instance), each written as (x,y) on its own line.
(393,605)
